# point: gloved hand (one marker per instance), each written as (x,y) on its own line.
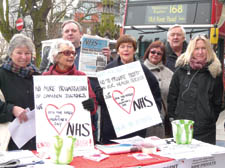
(89,104)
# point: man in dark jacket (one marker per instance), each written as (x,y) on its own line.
(175,46)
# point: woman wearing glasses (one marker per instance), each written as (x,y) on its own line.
(16,84)
(154,59)
(63,55)
(196,89)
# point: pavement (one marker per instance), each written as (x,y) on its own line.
(220,130)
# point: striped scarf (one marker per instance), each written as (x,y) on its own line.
(20,71)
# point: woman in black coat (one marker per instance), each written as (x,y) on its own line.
(196,89)
(16,84)
(126,47)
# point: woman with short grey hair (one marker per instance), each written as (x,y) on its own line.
(55,49)
(16,84)
(21,40)
(63,54)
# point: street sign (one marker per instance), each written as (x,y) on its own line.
(19,24)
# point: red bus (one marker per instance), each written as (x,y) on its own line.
(149,20)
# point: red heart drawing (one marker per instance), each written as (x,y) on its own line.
(124,99)
(59,119)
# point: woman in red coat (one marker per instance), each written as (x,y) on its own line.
(63,55)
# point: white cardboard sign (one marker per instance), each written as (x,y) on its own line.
(128,98)
(59,111)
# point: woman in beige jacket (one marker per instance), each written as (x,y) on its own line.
(154,59)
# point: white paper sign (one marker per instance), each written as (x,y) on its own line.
(21,133)
(128,98)
(59,111)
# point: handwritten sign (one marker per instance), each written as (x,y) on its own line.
(128,98)
(59,111)
(92,59)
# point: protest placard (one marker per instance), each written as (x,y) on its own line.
(59,111)
(91,58)
(128,98)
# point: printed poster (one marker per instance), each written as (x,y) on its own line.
(91,58)
(59,111)
(128,98)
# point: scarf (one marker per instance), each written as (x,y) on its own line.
(197,63)
(26,72)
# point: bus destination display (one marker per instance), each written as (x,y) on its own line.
(162,14)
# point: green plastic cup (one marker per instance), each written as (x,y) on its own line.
(62,149)
(182,131)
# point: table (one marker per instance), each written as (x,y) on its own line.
(171,155)
(195,155)
(119,161)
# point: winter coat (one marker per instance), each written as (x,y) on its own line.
(164,76)
(17,91)
(171,57)
(107,130)
(197,95)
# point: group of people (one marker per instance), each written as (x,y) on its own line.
(185,81)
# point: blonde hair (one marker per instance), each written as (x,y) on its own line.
(211,55)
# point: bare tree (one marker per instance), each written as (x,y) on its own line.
(3,49)
(30,8)
(87,8)
(57,13)
(42,18)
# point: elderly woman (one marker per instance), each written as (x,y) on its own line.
(126,46)
(196,89)
(16,84)
(154,59)
(63,54)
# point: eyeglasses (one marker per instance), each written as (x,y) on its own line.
(154,52)
(67,53)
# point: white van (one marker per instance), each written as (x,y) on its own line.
(46,45)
